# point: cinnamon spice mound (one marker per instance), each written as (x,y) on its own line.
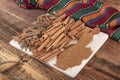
(74,55)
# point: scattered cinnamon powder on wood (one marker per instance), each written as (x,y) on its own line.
(74,55)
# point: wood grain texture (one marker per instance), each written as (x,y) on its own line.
(24,71)
(105,65)
(29,15)
(9,56)
(31,69)
(90,73)
(108,61)
(2,77)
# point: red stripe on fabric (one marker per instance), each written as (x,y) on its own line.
(101,21)
(92,2)
(77,8)
(53,2)
(109,31)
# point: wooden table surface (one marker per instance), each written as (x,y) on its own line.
(15,65)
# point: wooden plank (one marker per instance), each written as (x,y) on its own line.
(11,6)
(9,56)
(33,70)
(108,59)
(89,73)
(2,77)
(10,25)
(50,72)
(11,22)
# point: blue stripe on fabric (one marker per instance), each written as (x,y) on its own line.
(98,17)
(46,2)
(88,1)
(72,8)
(118,21)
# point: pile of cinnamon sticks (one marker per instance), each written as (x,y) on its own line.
(57,35)
(34,31)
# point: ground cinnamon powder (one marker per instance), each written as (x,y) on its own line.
(74,55)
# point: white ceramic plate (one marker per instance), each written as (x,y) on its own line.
(98,41)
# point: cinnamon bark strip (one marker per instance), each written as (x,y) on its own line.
(57,40)
(70,24)
(67,43)
(60,18)
(78,23)
(68,27)
(38,43)
(45,36)
(57,52)
(20,36)
(56,14)
(48,54)
(49,47)
(44,44)
(38,54)
(53,27)
(61,42)
(52,17)
(33,42)
(67,39)
(47,19)
(53,31)
(66,20)
(58,33)
(75,30)
(85,30)
(57,24)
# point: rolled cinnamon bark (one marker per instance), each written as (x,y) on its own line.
(44,44)
(78,23)
(58,40)
(60,18)
(58,33)
(57,52)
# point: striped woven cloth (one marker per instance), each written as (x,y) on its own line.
(92,12)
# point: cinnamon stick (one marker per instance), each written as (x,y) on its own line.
(53,27)
(70,24)
(78,23)
(67,43)
(58,33)
(86,29)
(66,20)
(57,40)
(62,41)
(53,31)
(60,18)
(44,44)
(57,52)
(67,39)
